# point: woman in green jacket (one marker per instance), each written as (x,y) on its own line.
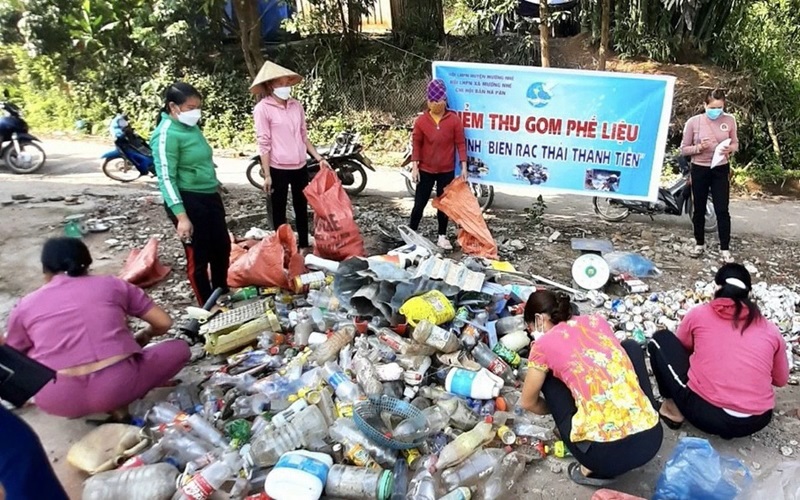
(189,185)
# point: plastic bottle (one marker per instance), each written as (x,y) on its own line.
(323,299)
(330,349)
(476,385)
(504,476)
(299,475)
(212,400)
(462,493)
(440,339)
(402,345)
(184,446)
(461,416)
(516,341)
(506,354)
(250,406)
(344,388)
(168,414)
(284,417)
(149,481)
(492,362)
(389,372)
(345,429)
(366,376)
(400,487)
(203,484)
(423,485)
(147,457)
(474,470)
(509,324)
(138,410)
(465,445)
(358,483)
(307,429)
(359,456)
(185,398)
(346,358)
(436,419)
(386,352)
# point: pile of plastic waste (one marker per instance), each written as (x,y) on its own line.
(394,376)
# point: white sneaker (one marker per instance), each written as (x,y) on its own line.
(444,243)
(697,251)
(727,257)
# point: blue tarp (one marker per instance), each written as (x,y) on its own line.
(272,13)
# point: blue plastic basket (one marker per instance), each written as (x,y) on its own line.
(373,407)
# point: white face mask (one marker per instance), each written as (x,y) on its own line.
(282,92)
(189,118)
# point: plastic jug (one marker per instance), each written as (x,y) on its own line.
(346,481)
(476,385)
(299,475)
(440,339)
(465,445)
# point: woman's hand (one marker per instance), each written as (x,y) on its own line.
(726,151)
(464,171)
(323,163)
(705,144)
(267,182)
(415,174)
(185,229)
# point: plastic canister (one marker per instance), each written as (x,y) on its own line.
(346,481)
(476,385)
(300,475)
(516,341)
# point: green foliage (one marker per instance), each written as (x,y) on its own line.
(534,214)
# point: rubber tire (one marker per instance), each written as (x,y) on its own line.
(603,216)
(254,175)
(355,189)
(709,211)
(10,150)
(110,176)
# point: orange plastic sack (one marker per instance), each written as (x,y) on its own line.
(336,235)
(606,494)
(266,262)
(460,204)
(142,268)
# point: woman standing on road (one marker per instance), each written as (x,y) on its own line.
(718,369)
(701,137)
(437,137)
(283,142)
(189,185)
(597,390)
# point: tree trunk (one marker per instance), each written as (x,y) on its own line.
(246,12)
(420,18)
(605,23)
(544,32)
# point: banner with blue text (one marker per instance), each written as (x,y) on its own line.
(562,131)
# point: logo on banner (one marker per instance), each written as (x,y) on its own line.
(539,94)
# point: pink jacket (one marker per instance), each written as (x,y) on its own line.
(699,127)
(281,132)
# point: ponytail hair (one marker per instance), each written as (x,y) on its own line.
(555,304)
(734,282)
(179,93)
(66,255)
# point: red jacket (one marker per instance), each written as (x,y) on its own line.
(434,146)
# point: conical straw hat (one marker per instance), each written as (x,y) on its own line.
(270,71)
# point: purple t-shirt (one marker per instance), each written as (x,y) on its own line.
(74,321)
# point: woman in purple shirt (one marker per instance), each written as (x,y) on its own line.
(76,324)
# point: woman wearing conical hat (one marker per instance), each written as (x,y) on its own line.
(283,141)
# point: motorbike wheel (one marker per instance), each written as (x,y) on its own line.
(356,170)
(120,170)
(711,216)
(484,194)
(27,167)
(607,210)
(255,175)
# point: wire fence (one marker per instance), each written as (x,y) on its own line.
(388,105)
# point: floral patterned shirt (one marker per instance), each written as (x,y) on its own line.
(585,355)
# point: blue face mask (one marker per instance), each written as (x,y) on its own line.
(714,113)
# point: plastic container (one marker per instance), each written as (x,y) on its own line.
(149,482)
(465,445)
(402,345)
(462,493)
(474,470)
(299,475)
(516,341)
(506,354)
(168,414)
(509,324)
(492,362)
(358,483)
(423,485)
(330,349)
(476,385)
(366,376)
(306,429)
(440,339)
(504,476)
(341,384)
(212,401)
(345,429)
(207,481)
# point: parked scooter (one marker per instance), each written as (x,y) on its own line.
(132,157)
(673,200)
(20,151)
(345,157)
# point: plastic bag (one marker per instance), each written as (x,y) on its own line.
(695,470)
(142,268)
(632,264)
(336,235)
(783,483)
(433,306)
(460,204)
(266,263)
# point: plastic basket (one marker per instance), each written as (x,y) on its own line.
(372,408)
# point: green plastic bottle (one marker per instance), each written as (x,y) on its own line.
(507,355)
(246,293)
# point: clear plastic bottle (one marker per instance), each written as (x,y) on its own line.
(183,446)
(307,429)
(462,493)
(284,417)
(344,429)
(505,475)
(440,339)
(212,400)
(474,470)
(146,482)
(346,481)
(400,488)
(509,324)
(344,388)
(168,414)
(492,362)
(250,406)
(387,354)
(207,481)
(465,445)
(402,345)
(147,457)
(366,376)
(323,299)
(330,349)
(186,398)
(346,358)
(437,417)
(424,486)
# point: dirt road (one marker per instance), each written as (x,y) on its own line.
(74,169)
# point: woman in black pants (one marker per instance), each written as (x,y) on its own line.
(596,389)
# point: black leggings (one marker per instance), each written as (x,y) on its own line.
(211,244)
(610,459)
(717,181)
(670,362)
(423,194)
(298,180)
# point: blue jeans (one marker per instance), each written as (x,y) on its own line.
(25,471)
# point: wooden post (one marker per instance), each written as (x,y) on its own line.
(605,22)
(544,32)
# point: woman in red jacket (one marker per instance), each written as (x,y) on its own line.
(438,135)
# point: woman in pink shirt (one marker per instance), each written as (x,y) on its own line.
(282,138)
(718,370)
(76,324)
(701,136)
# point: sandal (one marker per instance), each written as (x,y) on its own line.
(672,424)
(574,472)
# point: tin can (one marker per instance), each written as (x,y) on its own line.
(506,435)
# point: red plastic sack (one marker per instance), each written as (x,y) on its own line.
(142,268)
(459,203)
(336,235)
(273,261)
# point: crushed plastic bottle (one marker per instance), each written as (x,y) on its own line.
(212,400)
(203,484)
(366,375)
(437,417)
(148,457)
(331,348)
(504,477)
(474,470)
(440,339)
(167,414)
(307,429)
(141,483)
(465,445)
(424,485)
(508,325)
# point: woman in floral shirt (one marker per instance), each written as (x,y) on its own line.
(596,389)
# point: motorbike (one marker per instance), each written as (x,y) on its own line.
(673,200)
(475,170)
(533,173)
(131,158)
(346,157)
(20,151)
